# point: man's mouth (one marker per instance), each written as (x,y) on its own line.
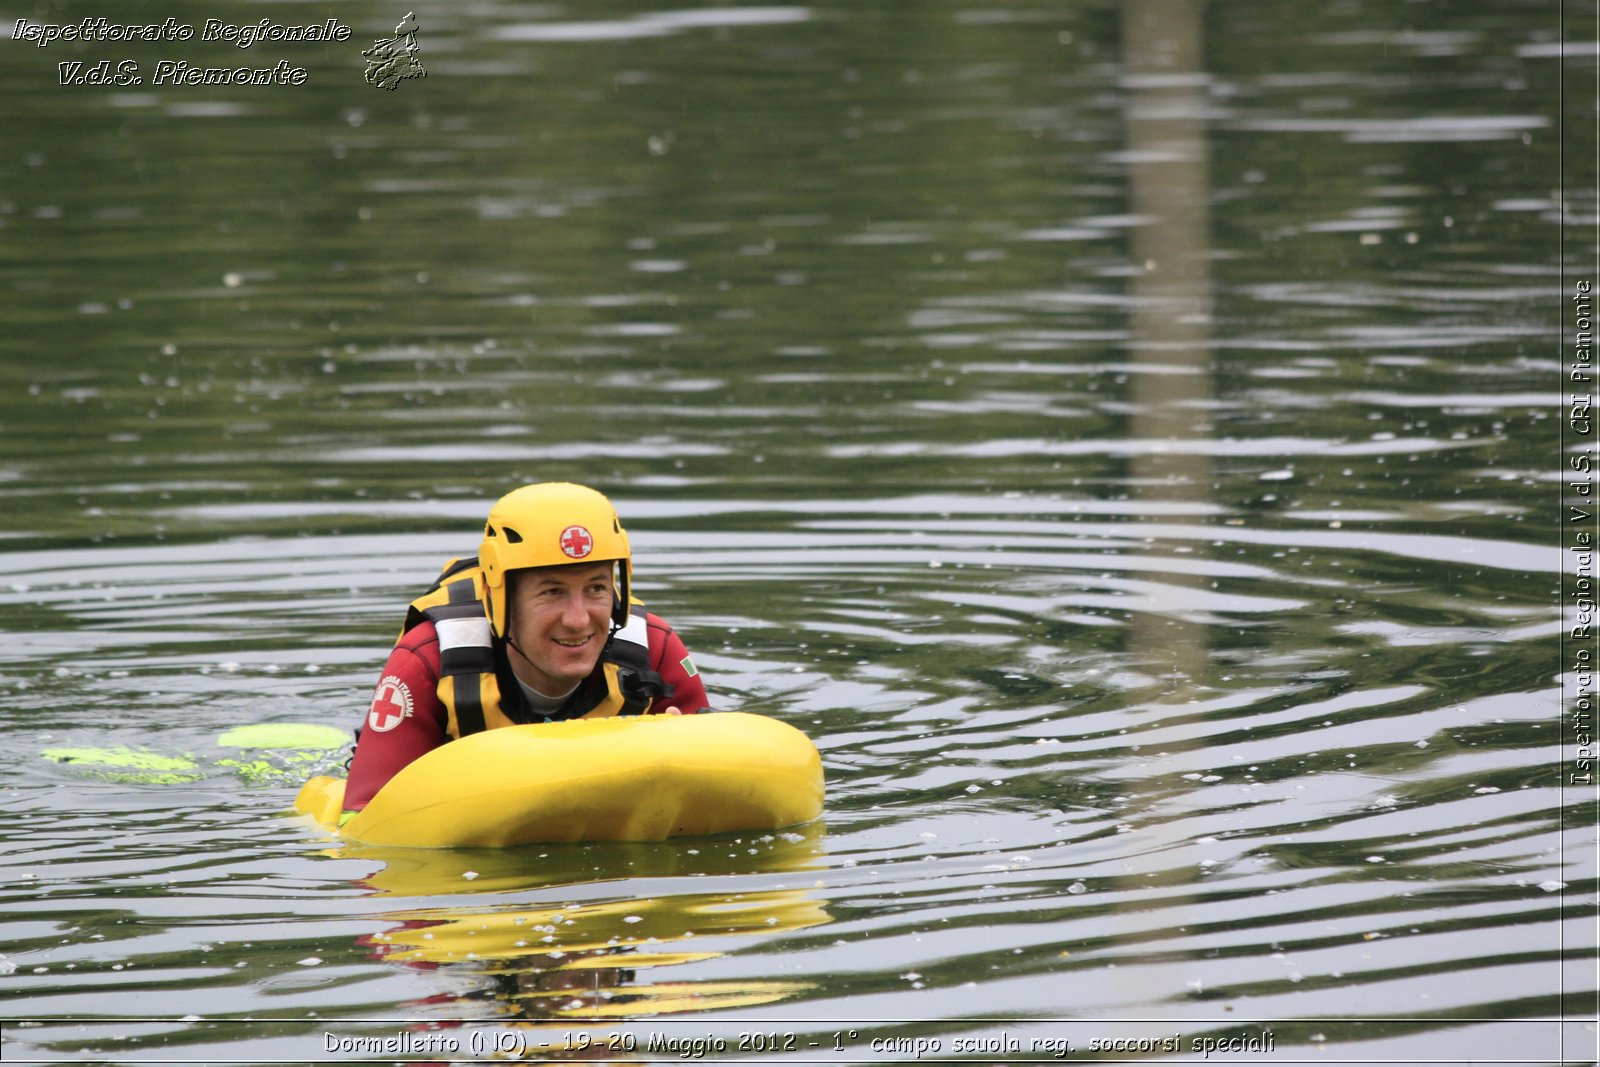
(572,643)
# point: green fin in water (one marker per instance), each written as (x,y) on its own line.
(282,750)
(281,754)
(302,736)
(127,764)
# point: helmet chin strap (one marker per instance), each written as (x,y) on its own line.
(511,641)
(517,648)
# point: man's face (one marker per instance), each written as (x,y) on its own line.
(560,619)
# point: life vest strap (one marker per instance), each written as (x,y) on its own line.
(466,653)
(640,688)
(465,643)
(630,650)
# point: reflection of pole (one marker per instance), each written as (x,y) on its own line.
(1170,320)
(1170,349)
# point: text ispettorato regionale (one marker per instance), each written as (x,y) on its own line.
(243,35)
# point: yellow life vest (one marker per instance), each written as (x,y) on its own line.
(469,663)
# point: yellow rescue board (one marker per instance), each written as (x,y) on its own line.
(635,778)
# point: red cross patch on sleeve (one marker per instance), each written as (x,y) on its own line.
(391,705)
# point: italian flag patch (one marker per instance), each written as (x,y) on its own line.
(688,665)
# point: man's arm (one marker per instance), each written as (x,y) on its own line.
(404,719)
(670,659)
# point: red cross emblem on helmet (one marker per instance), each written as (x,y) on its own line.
(576,542)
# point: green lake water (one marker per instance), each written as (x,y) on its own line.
(1127,439)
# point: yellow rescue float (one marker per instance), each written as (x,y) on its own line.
(632,778)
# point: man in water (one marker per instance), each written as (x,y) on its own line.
(538,627)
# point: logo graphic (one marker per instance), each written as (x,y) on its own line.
(391,705)
(576,542)
(391,61)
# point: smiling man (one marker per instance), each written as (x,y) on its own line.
(540,626)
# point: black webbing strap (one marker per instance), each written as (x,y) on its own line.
(467,664)
(639,684)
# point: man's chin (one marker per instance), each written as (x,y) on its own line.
(571,672)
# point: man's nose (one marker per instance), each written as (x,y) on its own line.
(574,612)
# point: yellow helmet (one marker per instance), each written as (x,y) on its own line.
(552,524)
